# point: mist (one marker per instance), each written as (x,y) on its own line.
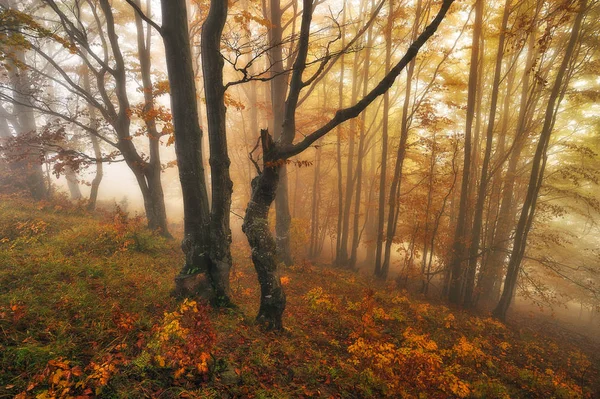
(307,199)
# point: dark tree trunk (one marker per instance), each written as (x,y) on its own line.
(262,243)
(283,218)
(264,186)
(188,141)
(222,187)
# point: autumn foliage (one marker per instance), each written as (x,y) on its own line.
(85,311)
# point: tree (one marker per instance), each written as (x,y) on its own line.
(109,67)
(537,170)
(255,225)
(461,236)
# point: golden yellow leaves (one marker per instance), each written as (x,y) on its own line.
(319,300)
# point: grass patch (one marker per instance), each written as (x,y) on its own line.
(86,311)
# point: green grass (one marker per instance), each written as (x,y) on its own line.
(86,311)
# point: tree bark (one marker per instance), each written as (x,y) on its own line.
(93,123)
(154,199)
(384,143)
(222,187)
(491,280)
(188,143)
(262,243)
(361,153)
(283,219)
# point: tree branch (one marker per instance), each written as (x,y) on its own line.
(142,15)
(353,111)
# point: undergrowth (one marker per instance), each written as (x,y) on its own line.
(86,311)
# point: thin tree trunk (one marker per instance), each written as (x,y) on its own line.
(314,219)
(397,178)
(361,152)
(537,173)
(384,143)
(342,258)
(93,123)
(491,280)
(154,200)
(484,179)
(461,233)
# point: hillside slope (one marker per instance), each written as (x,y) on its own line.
(86,311)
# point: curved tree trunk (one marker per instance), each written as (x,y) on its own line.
(262,243)
(154,200)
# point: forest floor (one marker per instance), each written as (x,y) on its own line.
(86,311)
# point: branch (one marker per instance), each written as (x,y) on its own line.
(317,78)
(142,15)
(343,115)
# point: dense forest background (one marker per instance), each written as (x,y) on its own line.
(445,150)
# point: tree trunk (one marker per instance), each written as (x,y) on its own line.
(314,217)
(340,187)
(460,236)
(537,173)
(342,256)
(73,184)
(24,123)
(262,243)
(397,178)
(384,143)
(188,143)
(154,200)
(483,182)
(283,218)
(492,279)
(361,153)
(222,187)
(93,123)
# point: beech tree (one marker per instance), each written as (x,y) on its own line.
(76,27)
(275,153)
